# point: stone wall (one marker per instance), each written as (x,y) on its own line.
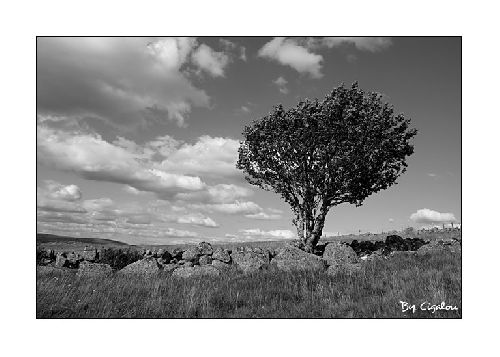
(204,260)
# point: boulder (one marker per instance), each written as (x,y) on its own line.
(249,260)
(337,253)
(438,247)
(205,248)
(89,254)
(205,260)
(177,253)
(170,267)
(191,255)
(147,266)
(88,269)
(196,271)
(220,265)
(188,264)
(290,258)
(61,261)
(348,268)
(222,255)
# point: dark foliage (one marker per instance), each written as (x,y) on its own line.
(118,258)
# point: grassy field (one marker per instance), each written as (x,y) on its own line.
(373,292)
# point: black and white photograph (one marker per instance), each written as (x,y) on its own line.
(301,177)
(265,178)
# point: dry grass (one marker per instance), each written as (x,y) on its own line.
(373,292)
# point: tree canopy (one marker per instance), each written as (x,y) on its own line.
(319,154)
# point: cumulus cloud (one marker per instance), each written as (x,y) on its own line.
(427,216)
(220,193)
(289,52)
(210,61)
(52,196)
(279,233)
(197,220)
(281,83)
(93,158)
(229,208)
(263,216)
(209,155)
(124,81)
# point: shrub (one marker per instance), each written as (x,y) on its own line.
(118,258)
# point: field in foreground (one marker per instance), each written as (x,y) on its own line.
(373,292)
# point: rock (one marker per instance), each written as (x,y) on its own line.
(177,253)
(439,247)
(61,261)
(191,255)
(337,253)
(147,266)
(73,259)
(222,255)
(188,264)
(205,260)
(348,268)
(220,265)
(170,267)
(197,271)
(249,260)
(88,269)
(290,258)
(89,254)
(205,248)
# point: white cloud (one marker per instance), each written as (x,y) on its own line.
(57,191)
(391,220)
(289,52)
(426,215)
(229,208)
(281,83)
(209,155)
(123,81)
(279,233)
(93,158)
(52,196)
(210,61)
(197,220)
(263,216)
(220,193)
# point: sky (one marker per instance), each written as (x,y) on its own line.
(137,138)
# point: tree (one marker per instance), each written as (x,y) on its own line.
(320,154)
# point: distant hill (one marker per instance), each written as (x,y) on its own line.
(52,238)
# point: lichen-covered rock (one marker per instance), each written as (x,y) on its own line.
(205,248)
(290,258)
(222,255)
(337,253)
(196,271)
(177,253)
(205,260)
(88,269)
(191,255)
(170,267)
(220,265)
(348,268)
(89,254)
(249,260)
(440,246)
(61,261)
(147,266)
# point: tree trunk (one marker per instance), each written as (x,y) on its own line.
(309,232)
